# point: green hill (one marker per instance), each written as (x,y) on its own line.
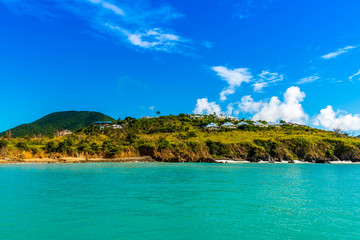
(47,125)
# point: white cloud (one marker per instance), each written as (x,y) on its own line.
(309,79)
(109,6)
(203,106)
(248,105)
(234,77)
(139,23)
(274,110)
(330,119)
(151,39)
(338,52)
(290,110)
(266,78)
(151,107)
(352,76)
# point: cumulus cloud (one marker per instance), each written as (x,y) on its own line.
(203,106)
(234,78)
(330,119)
(355,75)
(136,23)
(248,105)
(338,52)
(309,79)
(274,110)
(266,78)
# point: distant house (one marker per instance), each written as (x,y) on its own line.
(293,124)
(220,117)
(102,124)
(116,126)
(273,124)
(211,126)
(197,116)
(258,124)
(228,125)
(242,124)
(63,133)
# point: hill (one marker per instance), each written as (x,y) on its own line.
(185,138)
(48,124)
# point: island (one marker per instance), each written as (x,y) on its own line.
(78,137)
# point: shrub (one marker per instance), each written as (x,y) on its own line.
(21,145)
(3,143)
(191,134)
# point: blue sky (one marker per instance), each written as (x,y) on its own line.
(295,60)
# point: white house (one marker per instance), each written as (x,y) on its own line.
(116,126)
(228,125)
(102,124)
(258,124)
(197,116)
(242,124)
(212,126)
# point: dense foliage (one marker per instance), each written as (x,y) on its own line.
(183,138)
(71,120)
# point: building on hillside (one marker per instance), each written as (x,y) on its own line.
(116,126)
(212,126)
(197,116)
(220,117)
(242,124)
(102,124)
(258,124)
(294,124)
(228,125)
(273,124)
(63,133)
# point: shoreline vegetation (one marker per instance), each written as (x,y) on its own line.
(185,138)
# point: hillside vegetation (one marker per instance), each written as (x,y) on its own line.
(181,138)
(48,124)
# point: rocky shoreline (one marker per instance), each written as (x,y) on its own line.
(150,159)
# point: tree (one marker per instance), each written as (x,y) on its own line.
(158,112)
(340,132)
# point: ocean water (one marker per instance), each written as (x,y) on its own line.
(179,201)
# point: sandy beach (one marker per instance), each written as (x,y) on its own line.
(75,160)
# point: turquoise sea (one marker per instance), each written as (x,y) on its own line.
(179,201)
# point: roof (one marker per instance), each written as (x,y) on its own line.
(211,125)
(228,124)
(103,122)
(242,123)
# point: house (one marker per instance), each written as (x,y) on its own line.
(220,117)
(232,118)
(273,124)
(197,116)
(63,133)
(228,125)
(242,124)
(116,126)
(101,124)
(258,124)
(211,126)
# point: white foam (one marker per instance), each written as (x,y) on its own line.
(230,161)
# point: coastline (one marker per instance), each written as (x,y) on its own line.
(67,160)
(142,159)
